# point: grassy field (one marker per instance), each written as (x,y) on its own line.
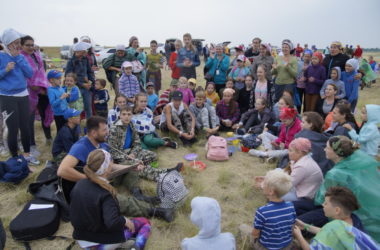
(231,183)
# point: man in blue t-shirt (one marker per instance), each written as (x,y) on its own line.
(70,170)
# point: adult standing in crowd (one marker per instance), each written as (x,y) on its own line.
(285,70)
(135,53)
(37,88)
(335,59)
(254,50)
(90,53)
(80,65)
(217,65)
(265,58)
(188,58)
(75,41)
(14,100)
(112,66)
(173,60)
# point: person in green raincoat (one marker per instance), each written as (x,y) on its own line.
(356,171)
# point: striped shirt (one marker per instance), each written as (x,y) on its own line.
(275,221)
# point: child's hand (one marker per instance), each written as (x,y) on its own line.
(358,76)
(282,145)
(303,79)
(228,123)
(347,126)
(64,95)
(300,224)
(132,156)
(259,180)
(129,224)
(297,232)
(96,101)
(275,144)
(311,79)
(274,66)
(10,66)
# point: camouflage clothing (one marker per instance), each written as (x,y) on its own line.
(116,142)
(58,158)
(182,122)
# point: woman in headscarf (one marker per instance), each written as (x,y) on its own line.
(37,88)
(285,70)
(14,100)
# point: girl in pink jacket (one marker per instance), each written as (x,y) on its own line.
(276,147)
(188,96)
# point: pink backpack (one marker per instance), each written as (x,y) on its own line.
(217,149)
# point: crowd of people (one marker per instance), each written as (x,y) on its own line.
(298,103)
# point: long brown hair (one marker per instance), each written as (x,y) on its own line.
(137,98)
(315,120)
(94,160)
(188,35)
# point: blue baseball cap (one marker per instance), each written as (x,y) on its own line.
(54,74)
(70,113)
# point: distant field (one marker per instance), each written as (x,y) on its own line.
(231,183)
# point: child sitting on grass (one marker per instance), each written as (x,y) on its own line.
(152,96)
(369,136)
(211,93)
(230,85)
(75,99)
(205,114)
(206,215)
(345,231)
(113,114)
(183,87)
(276,147)
(273,223)
(227,110)
(101,98)
(253,121)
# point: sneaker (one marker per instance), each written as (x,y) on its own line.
(32,160)
(170,143)
(4,152)
(34,151)
(257,153)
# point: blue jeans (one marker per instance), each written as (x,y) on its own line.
(87,102)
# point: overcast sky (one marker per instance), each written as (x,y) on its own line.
(54,23)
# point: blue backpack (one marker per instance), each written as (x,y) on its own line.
(14,170)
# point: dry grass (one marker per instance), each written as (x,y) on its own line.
(231,183)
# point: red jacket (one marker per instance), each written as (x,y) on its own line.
(358,52)
(173,66)
(287,134)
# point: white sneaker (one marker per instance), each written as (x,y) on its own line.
(32,160)
(257,153)
(4,152)
(34,151)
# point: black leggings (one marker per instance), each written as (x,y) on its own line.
(59,122)
(17,110)
(43,103)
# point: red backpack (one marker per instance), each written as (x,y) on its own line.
(217,149)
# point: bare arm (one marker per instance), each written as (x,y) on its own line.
(256,233)
(66,169)
(167,113)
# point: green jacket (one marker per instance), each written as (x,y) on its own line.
(359,172)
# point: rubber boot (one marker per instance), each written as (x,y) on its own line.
(166,214)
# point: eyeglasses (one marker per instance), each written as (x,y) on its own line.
(29,45)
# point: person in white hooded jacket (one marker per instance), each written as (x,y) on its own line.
(206,215)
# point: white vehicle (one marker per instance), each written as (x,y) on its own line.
(65,51)
(103,54)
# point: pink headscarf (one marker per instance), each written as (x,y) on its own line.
(301,144)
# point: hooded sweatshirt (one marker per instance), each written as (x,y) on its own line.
(206,215)
(341,93)
(369,135)
(351,85)
(205,116)
(287,133)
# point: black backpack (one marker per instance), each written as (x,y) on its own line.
(38,219)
